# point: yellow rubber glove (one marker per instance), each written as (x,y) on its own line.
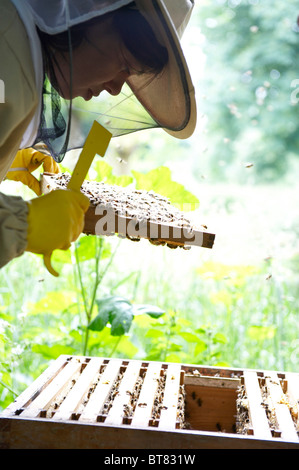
(25,162)
(54,221)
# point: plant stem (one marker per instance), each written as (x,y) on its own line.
(172,323)
(115,346)
(88,310)
(80,279)
(8,388)
(110,261)
(83,295)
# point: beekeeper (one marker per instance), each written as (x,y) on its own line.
(56,59)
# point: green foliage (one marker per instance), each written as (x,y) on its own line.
(246,88)
(104,173)
(174,339)
(160,181)
(119,312)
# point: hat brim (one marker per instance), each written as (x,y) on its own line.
(169,97)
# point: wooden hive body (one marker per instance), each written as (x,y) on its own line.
(84,402)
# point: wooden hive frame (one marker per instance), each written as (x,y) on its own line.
(92,402)
(135,227)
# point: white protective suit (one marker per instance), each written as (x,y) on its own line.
(22,74)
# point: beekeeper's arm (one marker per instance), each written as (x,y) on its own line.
(47,222)
(17,107)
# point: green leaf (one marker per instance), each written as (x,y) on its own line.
(52,352)
(151,310)
(121,319)
(101,320)
(126,348)
(105,174)
(219,338)
(189,337)
(200,347)
(54,302)
(115,310)
(260,333)
(175,347)
(76,335)
(153,333)
(173,358)
(120,312)
(61,256)
(159,181)
(87,248)
(222,364)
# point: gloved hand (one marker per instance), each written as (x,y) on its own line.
(25,162)
(54,221)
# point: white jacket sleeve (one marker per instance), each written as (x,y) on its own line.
(18,85)
(20,101)
(13,227)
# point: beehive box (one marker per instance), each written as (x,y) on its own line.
(97,403)
(134,214)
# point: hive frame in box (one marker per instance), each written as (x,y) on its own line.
(63,408)
(127,227)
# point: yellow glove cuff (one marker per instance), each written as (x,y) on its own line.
(55,221)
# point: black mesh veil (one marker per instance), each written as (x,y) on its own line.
(64,124)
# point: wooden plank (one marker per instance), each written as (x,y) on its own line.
(284,419)
(100,220)
(292,387)
(99,396)
(146,398)
(170,400)
(36,387)
(257,413)
(209,381)
(115,414)
(17,433)
(48,395)
(211,408)
(293,395)
(75,396)
(47,183)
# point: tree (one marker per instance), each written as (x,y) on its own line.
(251,59)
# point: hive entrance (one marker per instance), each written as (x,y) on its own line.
(210,402)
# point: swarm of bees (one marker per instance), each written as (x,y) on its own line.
(135,204)
(242,419)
